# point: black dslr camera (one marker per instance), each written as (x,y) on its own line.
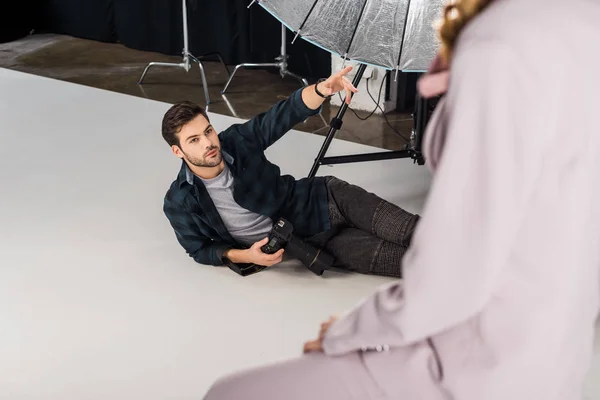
(282,237)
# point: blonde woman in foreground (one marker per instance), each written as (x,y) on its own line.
(500,291)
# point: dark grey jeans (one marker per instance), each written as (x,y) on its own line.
(368,234)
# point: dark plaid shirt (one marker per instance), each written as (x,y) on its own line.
(258,187)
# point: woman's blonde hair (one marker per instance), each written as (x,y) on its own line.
(457,13)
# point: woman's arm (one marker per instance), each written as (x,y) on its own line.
(471,216)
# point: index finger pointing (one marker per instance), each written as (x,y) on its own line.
(344,71)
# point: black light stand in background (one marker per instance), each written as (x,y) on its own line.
(412,150)
(281,64)
(188,58)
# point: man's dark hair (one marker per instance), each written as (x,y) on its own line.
(177,116)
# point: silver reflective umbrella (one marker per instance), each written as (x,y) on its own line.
(392,34)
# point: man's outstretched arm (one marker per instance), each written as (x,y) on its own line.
(268,127)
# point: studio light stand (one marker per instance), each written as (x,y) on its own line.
(412,149)
(188,58)
(281,63)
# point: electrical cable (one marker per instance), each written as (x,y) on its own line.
(377,106)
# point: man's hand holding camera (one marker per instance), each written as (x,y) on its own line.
(255,255)
(259,258)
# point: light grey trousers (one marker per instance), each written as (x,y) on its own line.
(311,377)
(408,373)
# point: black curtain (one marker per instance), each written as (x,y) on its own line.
(150,25)
(305,59)
(228,27)
(18,18)
(85,19)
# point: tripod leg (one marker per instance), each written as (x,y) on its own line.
(231,77)
(158,64)
(425,117)
(336,124)
(144,73)
(204,83)
(293,75)
(249,65)
(421,115)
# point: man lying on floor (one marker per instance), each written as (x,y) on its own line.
(227,195)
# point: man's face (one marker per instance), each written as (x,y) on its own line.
(199,144)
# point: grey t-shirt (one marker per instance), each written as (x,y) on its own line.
(244,226)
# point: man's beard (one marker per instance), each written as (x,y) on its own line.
(206,162)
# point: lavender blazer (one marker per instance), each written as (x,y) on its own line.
(500,294)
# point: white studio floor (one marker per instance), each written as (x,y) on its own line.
(97,298)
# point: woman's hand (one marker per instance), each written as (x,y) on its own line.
(317,344)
